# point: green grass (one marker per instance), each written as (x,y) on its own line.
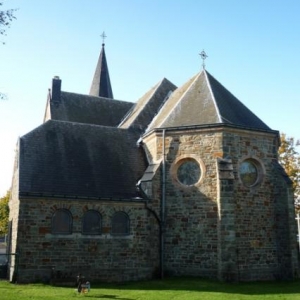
(178,288)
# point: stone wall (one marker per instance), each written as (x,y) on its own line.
(256,235)
(190,242)
(287,246)
(102,257)
(14,205)
(215,228)
(219,227)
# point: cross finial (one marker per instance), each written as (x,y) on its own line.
(103,37)
(203,56)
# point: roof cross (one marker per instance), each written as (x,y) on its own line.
(103,37)
(203,56)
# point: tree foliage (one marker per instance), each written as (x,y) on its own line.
(289,158)
(4,213)
(6,17)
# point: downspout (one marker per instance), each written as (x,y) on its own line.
(163,204)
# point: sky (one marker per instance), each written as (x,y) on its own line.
(253,49)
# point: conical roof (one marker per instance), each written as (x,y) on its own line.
(203,100)
(101,86)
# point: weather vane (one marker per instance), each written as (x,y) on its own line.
(103,37)
(203,56)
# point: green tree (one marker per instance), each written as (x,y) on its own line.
(4,213)
(289,158)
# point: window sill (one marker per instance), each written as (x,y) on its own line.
(88,236)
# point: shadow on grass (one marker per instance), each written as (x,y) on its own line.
(202,285)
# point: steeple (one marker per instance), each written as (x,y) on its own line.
(101,86)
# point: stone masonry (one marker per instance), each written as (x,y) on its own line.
(184,182)
(217,228)
(102,257)
(220,228)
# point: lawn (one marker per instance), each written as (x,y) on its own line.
(178,288)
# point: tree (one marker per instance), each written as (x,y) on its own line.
(4,213)
(289,158)
(6,17)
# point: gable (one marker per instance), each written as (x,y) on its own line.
(142,113)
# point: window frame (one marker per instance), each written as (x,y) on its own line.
(85,216)
(260,171)
(54,226)
(127,225)
(179,161)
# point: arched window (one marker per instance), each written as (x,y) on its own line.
(62,222)
(120,224)
(91,223)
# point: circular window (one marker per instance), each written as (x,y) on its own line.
(249,172)
(188,172)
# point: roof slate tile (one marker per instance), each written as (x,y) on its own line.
(89,109)
(204,101)
(80,160)
(148,106)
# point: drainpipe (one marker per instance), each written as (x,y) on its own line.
(163,204)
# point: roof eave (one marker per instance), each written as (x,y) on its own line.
(208,126)
(34,195)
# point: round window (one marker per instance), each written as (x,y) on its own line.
(248,173)
(189,172)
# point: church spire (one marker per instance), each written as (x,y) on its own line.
(101,86)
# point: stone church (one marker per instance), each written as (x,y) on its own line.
(184,182)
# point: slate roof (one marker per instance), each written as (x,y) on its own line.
(142,113)
(65,159)
(101,86)
(201,101)
(88,109)
(88,148)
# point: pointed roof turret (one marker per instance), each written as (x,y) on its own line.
(101,86)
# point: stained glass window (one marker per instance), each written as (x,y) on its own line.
(189,172)
(248,173)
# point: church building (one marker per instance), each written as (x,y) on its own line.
(184,182)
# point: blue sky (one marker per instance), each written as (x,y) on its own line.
(253,49)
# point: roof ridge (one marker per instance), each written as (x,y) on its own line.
(177,103)
(213,97)
(96,97)
(239,107)
(148,106)
(132,110)
(79,124)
